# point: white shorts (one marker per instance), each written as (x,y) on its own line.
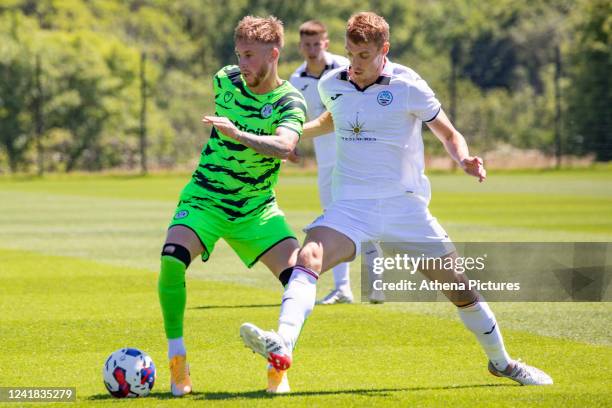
(404,221)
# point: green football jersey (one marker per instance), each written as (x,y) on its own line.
(231,178)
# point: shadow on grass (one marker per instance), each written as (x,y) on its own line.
(372,392)
(155,395)
(261,394)
(232,306)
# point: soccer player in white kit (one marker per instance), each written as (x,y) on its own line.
(381,192)
(317,61)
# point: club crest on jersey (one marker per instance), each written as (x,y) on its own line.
(181,214)
(266,111)
(384,98)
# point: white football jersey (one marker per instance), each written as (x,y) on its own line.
(378,132)
(324,145)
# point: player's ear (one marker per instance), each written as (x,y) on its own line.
(385,48)
(325,44)
(275,53)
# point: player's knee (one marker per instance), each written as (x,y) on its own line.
(178,252)
(311,256)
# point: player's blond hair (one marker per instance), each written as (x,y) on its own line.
(313,27)
(267,30)
(367,27)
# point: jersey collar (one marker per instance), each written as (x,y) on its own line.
(329,64)
(383,79)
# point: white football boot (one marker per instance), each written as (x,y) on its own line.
(268,344)
(522,373)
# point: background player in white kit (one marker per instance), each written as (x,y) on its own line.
(381,192)
(314,43)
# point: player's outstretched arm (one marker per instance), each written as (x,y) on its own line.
(457,148)
(279,145)
(322,125)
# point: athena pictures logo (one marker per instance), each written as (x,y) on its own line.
(384,98)
(266,111)
(181,214)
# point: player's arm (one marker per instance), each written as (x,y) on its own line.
(279,145)
(456,146)
(322,125)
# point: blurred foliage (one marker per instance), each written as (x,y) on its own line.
(89,53)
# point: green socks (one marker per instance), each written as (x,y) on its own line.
(172,295)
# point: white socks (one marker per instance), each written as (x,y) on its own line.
(298,302)
(341,277)
(480,320)
(176,347)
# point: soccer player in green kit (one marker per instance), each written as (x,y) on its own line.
(258,121)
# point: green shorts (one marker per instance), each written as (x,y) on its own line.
(250,237)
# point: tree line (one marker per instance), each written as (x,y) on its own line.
(91,85)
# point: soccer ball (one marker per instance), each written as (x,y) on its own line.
(129,373)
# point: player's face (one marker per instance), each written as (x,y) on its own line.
(313,47)
(367,61)
(255,61)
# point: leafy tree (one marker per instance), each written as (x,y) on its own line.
(589,111)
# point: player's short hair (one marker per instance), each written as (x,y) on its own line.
(313,27)
(267,30)
(367,27)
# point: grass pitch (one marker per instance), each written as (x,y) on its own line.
(78,270)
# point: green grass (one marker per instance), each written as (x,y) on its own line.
(78,269)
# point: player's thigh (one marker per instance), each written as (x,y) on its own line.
(324,248)
(265,237)
(197,229)
(443,271)
(282,256)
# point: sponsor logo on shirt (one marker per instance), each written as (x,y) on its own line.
(357,132)
(304,87)
(336,96)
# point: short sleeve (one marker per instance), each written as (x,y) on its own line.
(422,101)
(292,112)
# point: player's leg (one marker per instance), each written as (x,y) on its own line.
(412,222)
(341,293)
(278,259)
(180,248)
(191,233)
(473,310)
(323,248)
(478,317)
(269,239)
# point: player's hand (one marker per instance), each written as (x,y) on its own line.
(294,156)
(474,167)
(223,125)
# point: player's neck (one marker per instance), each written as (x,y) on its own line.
(315,67)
